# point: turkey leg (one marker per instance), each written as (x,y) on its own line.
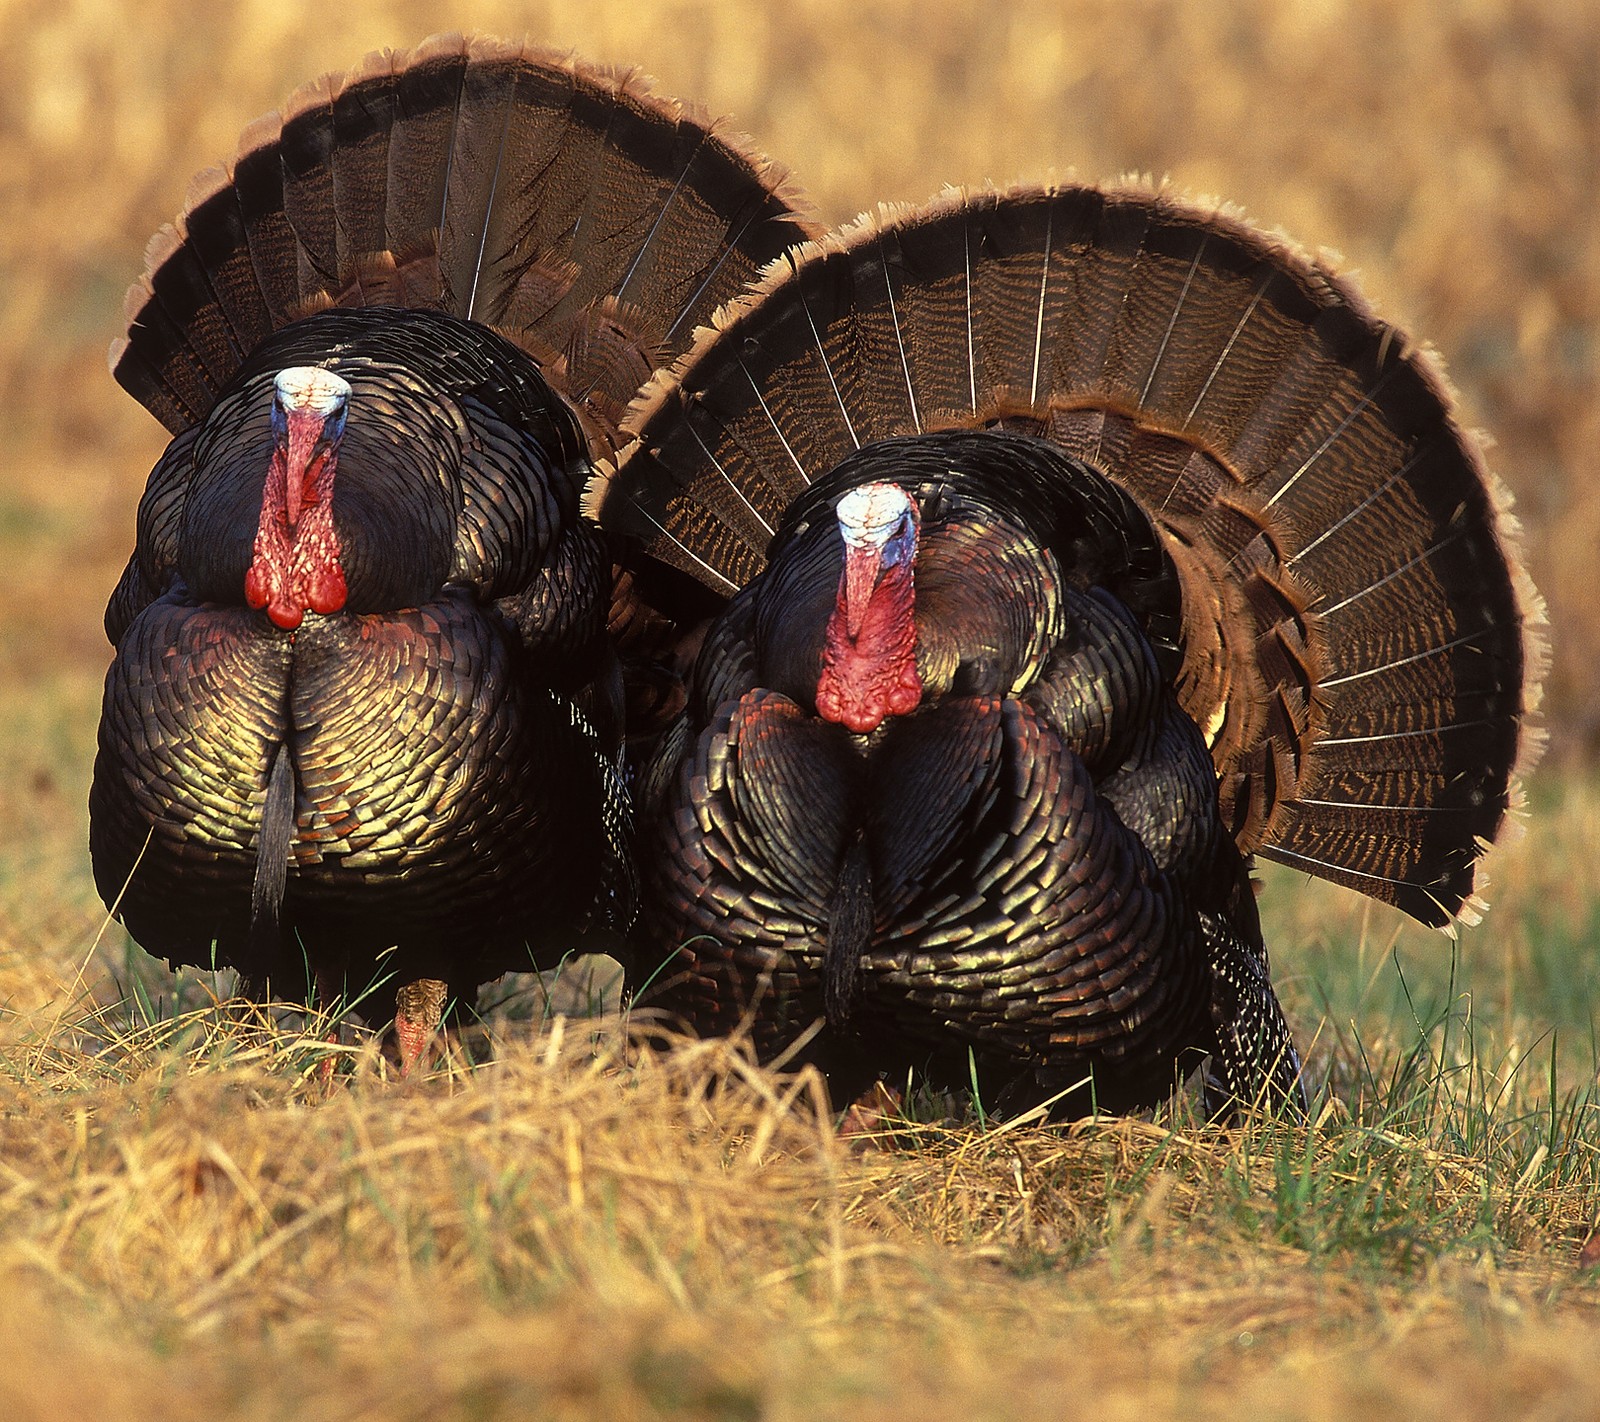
(329,999)
(418,1011)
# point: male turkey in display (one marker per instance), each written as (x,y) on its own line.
(360,735)
(1079,544)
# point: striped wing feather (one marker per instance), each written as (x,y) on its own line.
(596,225)
(1359,642)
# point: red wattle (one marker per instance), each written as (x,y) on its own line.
(295,567)
(286,615)
(257,589)
(326,590)
(874,673)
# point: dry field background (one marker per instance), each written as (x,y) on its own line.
(580,1231)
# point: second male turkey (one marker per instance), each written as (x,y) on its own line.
(360,735)
(1077,544)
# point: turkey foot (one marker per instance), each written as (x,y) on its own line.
(868,1114)
(418,1010)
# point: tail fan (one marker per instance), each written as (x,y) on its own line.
(590,222)
(1360,643)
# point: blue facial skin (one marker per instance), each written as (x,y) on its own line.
(901,544)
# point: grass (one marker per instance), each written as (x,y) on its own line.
(588,1228)
(191,1223)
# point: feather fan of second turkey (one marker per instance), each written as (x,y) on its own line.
(1078,543)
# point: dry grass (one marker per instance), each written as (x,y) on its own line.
(190,1220)
(584,1231)
(579,1231)
(190,1225)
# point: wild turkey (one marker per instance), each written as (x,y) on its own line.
(1108,541)
(360,735)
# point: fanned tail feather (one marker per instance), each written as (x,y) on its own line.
(591,222)
(1360,643)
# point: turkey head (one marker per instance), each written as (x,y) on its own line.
(869,663)
(295,567)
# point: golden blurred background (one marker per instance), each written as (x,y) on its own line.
(1448,151)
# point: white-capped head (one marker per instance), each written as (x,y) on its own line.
(309,389)
(869,655)
(871,514)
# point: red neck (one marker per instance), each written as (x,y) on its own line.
(296,568)
(874,673)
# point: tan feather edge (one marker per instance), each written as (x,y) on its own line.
(664,386)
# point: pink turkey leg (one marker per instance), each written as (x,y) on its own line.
(418,1010)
